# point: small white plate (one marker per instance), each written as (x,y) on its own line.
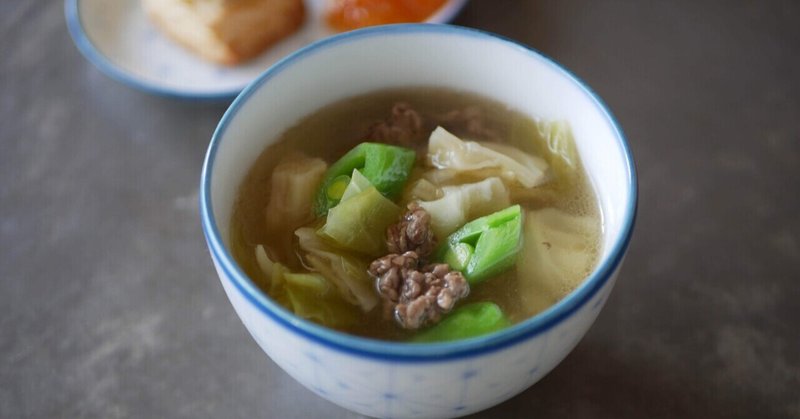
(117,37)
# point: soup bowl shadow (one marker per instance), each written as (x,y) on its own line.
(393,379)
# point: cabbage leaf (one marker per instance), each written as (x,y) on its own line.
(446,151)
(421,189)
(307,294)
(358,183)
(558,137)
(462,203)
(558,255)
(310,297)
(294,183)
(359,223)
(347,272)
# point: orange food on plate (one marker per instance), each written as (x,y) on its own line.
(346,15)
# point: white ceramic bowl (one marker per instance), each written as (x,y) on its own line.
(388,379)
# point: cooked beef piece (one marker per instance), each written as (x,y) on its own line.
(402,127)
(418,296)
(468,123)
(413,232)
(406,127)
(388,271)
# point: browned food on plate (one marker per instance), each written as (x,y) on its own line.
(226,31)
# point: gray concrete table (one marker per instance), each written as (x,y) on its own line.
(111,308)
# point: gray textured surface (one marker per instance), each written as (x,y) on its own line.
(111,307)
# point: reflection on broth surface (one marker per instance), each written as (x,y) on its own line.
(304,237)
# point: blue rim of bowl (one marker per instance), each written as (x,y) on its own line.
(398,351)
(114,71)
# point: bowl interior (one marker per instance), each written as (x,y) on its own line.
(420,55)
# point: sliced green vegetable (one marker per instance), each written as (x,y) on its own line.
(486,246)
(496,250)
(337,187)
(359,223)
(465,322)
(458,255)
(472,230)
(387,167)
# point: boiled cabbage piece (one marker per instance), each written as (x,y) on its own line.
(294,183)
(264,262)
(347,272)
(308,295)
(559,253)
(421,189)
(359,223)
(358,183)
(462,203)
(311,297)
(558,137)
(454,156)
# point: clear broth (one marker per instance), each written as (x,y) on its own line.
(331,131)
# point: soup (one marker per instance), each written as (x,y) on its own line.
(417,214)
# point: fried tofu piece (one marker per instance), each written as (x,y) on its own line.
(226,31)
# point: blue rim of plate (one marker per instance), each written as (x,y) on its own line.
(109,68)
(106,66)
(398,351)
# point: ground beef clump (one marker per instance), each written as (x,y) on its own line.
(469,122)
(412,233)
(408,128)
(415,293)
(404,127)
